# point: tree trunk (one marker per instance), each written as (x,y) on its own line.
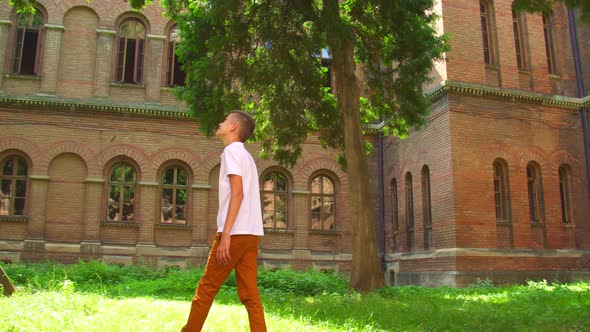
(367,271)
(4,281)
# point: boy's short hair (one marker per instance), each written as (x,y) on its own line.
(247,124)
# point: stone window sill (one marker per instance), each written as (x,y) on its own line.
(324,232)
(173,226)
(128,85)
(15,219)
(278,231)
(23,77)
(119,224)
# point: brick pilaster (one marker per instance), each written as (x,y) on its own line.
(301,218)
(104,56)
(147,212)
(154,70)
(51,58)
(37,210)
(91,235)
(4,29)
(200,207)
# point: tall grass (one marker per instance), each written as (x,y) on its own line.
(92,296)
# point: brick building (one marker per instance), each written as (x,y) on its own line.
(99,160)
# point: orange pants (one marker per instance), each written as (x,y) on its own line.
(243,250)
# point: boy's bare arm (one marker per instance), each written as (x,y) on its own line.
(235,200)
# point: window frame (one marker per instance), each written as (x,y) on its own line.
(487,32)
(409,191)
(565,193)
(549,37)
(108,182)
(175,186)
(18,45)
(535,193)
(275,193)
(394,205)
(520,45)
(426,207)
(501,184)
(172,61)
(13,178)
(321,196)
(139,55)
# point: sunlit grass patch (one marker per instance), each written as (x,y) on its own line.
(91,296)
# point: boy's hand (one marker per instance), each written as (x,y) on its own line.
(223,256)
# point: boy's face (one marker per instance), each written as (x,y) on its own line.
(226,127)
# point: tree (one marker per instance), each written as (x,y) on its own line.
(546,6)
(265,57)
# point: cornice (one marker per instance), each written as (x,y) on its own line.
(56,103)
(508,94)
(56,27)
(451,87)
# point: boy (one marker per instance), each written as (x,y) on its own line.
(239,227)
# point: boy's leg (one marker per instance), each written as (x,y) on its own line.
(209,285)
(246,277)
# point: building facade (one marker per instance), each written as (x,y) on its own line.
(99,160)
(495,186)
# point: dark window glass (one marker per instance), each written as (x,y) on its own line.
(274,200)
(122,186)
(409,211)
(130,52)
(565,193)
(174,196)
(13,186)
(322,203)
(27,51)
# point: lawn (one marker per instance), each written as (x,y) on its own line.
(91,296)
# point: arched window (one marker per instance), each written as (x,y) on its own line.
(501,191)
(394,206)
(274,200)
(130,51)
(29,43)
(13,179)
(565,178)
(426,207)
(409,211)
(485,14)
(174,75)
(174,196)
(519,42)
(122,188)
(549,43)
(322,202)
(535,189)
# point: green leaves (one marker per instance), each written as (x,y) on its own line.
(263,57)
(547,6)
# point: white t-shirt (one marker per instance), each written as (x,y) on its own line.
(235,159)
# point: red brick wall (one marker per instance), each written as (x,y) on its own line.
(431,146)
(495,129)
(465,61)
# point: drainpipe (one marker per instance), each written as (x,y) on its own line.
(381,200)
(581,93)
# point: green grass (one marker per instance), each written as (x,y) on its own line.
(91,296)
